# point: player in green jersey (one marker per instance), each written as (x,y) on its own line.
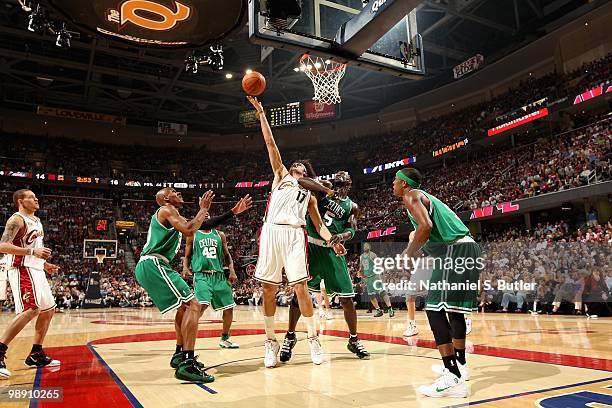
(167,289)
(373,281)
(442,235)
(206,257)
(340,217)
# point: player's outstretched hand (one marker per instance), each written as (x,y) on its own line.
(339,249)
(206,200)
(256,104)
(244,204)
(50,268)
(42,253)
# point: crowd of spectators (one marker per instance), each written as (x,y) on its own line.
(497,174)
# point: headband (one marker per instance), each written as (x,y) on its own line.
(407,179)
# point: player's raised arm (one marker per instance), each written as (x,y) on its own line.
(313,211)
(412,202)
(244,204)
(172,216)
(314,186)
(278,168)
(11,231)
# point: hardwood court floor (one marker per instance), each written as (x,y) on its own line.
(120,357)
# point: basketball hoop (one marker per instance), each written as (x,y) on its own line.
(100,255)
(325,75)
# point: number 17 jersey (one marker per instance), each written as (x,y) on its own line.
(288,203)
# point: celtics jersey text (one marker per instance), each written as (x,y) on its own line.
(446,225)
(207,252)
(335,215)
(161,240)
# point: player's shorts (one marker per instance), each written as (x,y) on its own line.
(282,246)
(326,267)
(165,286)
(374,284)
(420,277)
(3,282)
(31,289)
(462,298)
(213,289)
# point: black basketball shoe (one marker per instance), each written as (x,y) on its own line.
(288,344)
(355,347)
(40,359)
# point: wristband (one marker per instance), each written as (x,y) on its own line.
(30,252)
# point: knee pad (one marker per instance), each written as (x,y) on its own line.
(440,327)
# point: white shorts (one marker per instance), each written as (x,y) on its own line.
(31,289)
(420,276)
(281,247)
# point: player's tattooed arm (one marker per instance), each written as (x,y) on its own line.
(227,259)
(314,186)
(315,216)
(278,168)
(13,230)
(170,215)
(414,205)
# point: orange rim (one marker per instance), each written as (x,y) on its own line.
(340,67)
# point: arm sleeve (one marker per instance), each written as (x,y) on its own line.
(214,221)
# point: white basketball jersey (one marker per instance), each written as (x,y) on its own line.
(288,203)
(33,238)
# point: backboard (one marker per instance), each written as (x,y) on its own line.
(93,246)
(398,51)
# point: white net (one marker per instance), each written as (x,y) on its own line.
(325,75)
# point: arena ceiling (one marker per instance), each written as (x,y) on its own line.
(100,75)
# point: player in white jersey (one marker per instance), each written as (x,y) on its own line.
(22,241)
(283,243)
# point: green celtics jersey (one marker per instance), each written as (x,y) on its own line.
(335,215)
(367,263)
(161,240)
(207,255)
(447,227)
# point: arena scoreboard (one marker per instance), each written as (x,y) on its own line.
(286,115)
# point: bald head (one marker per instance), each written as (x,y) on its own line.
(162,196)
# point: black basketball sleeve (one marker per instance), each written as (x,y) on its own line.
(214,221)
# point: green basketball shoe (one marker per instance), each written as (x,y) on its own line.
(188,370)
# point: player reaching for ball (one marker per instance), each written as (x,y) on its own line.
(340,217)
(283,240)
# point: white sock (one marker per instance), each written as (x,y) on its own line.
(310,325)
(269,325)
(412,322)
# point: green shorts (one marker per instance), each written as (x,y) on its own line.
(371,285)
(212,288)
(323,264)
(166,287)
(458,277)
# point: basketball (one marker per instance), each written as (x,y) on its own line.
(254,83)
